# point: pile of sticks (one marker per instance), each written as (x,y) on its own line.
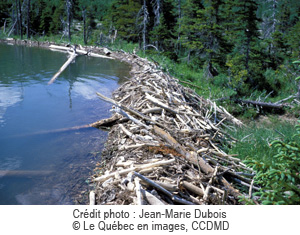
(165,146)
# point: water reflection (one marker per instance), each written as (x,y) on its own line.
(8,97)
(29,106)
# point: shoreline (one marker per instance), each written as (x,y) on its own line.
(158,127)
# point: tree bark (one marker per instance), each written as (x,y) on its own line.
(20,18)
(262,104)
(84,26)
(28,19)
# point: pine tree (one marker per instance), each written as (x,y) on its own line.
(163,32)
(203,33)
(245,61)
(123,16)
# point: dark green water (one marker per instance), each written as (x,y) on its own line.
(29,109)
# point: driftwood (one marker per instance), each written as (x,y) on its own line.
(23,173)
(79,51)
(165,145)
(65,65)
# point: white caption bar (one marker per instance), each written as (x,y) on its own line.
(148,219)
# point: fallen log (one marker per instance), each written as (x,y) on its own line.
(23,173)
(79,51)
(263,104)
(74,128)
(65,65)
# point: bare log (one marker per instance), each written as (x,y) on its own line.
(23,173)
(172,196)
(152,200)
(79,51)
(135,168)
(92,198)
(263,104)
(65,65)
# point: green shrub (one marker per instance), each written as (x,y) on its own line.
(280,178)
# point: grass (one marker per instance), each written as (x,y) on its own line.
(255,139)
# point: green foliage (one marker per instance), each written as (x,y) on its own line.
(280,177)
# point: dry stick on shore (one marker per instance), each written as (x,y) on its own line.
(130,110)
(163,190)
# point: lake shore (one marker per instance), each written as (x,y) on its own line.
(163,131)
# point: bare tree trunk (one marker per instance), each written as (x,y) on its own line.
(4,26)
(17,18)
(84,26)
(20,18)
(157,5)
(145,21)
(28,19)
(179,26)
(69,9)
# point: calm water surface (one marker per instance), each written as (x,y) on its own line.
(37,164)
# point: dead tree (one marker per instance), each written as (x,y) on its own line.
(28,19)
(144,14)
(157,7)
(69,17)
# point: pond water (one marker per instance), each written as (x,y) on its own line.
(39,165)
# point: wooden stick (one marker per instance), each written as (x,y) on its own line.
(192,188)
(92,198)
(130,110)
(79,51)
(152,200)
(135,168)
(65,65)
(172,196)
(189,156)
(138,191)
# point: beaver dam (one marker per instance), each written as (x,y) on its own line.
(164,145)
(165,142)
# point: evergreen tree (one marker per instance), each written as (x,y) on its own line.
(245,61)
(163,32)
(122,15)
(203,33)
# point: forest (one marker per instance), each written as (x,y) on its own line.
(241,48)
(243,54)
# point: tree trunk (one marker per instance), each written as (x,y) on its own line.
(179,26)
(69,9)
(145,25)
(20,18)
(84,26)
(28,19)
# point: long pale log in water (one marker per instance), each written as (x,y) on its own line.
(65,65)
(23,173)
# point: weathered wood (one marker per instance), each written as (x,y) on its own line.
(92,197)
(135,168)
(152,200)
(192,188)
(79,51)
(24,173)
(169,194)
(262,104)
(130,110)
(65,65)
